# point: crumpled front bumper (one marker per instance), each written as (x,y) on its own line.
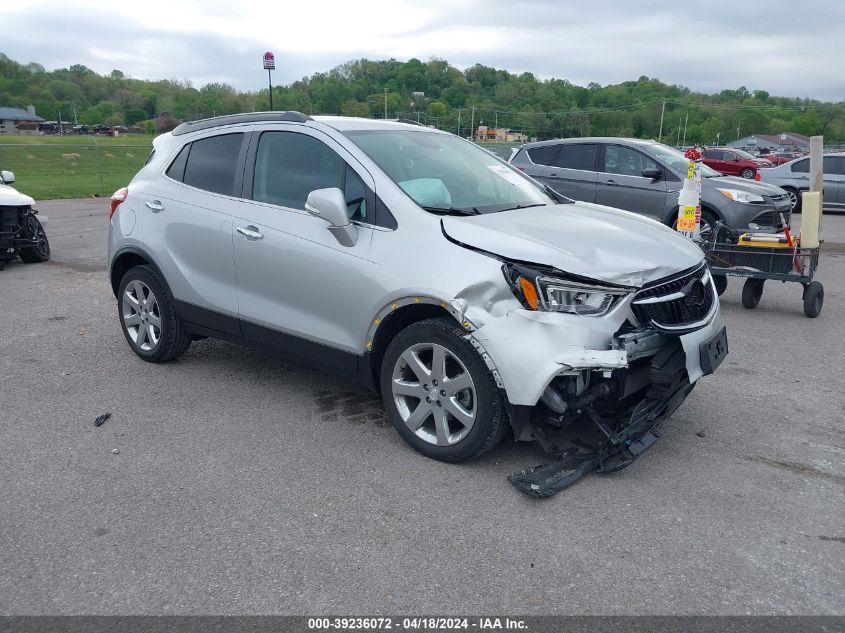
(529,349)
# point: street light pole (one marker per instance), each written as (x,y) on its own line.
(385,103)
(662,112)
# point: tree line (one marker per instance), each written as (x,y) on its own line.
(435,93)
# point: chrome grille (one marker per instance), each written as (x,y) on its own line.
(676,302)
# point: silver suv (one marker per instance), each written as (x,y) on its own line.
(645,177)
(471,298)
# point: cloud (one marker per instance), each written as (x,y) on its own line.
(778,46)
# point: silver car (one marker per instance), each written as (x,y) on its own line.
(794,178)
(645,177)
(472,299)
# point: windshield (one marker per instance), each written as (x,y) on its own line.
(443,173)
(676,160)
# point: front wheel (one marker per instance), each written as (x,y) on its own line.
(748,173)
(813,299)
(752,291)
(794,199)
(439,394)
(40,249)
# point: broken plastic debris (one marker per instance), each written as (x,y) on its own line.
(101,418)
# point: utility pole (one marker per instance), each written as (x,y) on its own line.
(459,121)
(686,120)
(662,112)
(678,139)
(385,103)
(472,124)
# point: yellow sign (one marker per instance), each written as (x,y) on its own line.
(686,219)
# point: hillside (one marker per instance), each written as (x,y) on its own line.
(541,108)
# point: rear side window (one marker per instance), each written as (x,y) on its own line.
(543,155)
(212,163)
(577,157)
(802,166)
(177,167)
(832,165)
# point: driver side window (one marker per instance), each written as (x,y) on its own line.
(289,166)
(626,161)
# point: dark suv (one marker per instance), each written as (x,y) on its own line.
(645,177)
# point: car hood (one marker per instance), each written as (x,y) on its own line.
(744,184)
(11,197)
(583,239)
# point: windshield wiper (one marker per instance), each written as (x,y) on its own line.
(525,206)
(452,210)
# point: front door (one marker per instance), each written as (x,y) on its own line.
(297,286)
(621,183)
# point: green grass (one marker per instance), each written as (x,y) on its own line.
(49,167)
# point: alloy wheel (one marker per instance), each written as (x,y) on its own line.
(37,235)
(434,394)
(141,315)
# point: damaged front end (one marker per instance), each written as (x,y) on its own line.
(592,370)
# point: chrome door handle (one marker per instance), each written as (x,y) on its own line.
(155,206)
(610,182)
(250,232)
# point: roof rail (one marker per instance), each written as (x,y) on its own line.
(410,122)
(250,117)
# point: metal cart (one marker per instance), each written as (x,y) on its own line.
(727,258)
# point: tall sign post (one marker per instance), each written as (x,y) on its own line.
(689,197)
(270,64)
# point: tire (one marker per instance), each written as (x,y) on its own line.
(794,198)
(148,316)
(409,377)
(748,173)
(752,290)
(813,299)
(40,252)
(721,283)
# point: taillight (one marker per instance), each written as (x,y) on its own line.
(117,198)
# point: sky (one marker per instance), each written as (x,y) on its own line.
(784,47)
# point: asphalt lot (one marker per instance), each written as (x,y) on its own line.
(247,485)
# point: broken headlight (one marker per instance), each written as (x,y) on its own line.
(539,291)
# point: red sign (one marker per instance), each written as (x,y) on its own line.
(269,61)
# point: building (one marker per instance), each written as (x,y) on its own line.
(499,135)
(17,121)
(783,142)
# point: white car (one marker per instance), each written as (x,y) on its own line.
(21,228)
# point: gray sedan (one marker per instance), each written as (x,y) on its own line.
(794,178)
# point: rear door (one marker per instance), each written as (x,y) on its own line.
(573,172)
(834,182)
(621,183)
(186,222)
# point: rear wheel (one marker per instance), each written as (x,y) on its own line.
(148,316)
(813,299)
(40,250)
(752,291)
(439,394)
(748,173)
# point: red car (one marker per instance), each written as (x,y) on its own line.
(731,162)
(782,157)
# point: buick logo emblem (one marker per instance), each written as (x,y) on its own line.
(694,294)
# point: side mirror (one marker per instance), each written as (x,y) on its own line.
(654,173)
(330,205)
(7,177)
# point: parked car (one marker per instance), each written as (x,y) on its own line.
(472,298)
(794,178)
(645,177)
(779,158)
(733,162)
(21,229)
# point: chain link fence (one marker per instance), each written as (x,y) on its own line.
(73,170)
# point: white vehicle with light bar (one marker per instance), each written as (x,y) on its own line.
(475,300)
